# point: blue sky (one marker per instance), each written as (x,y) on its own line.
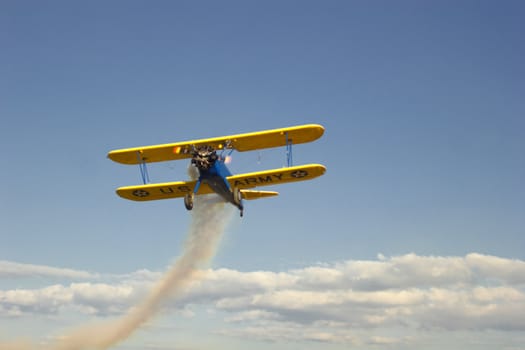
(423,108)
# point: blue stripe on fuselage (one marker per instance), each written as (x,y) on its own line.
(215,177)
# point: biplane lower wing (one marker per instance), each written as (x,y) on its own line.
(243,182)
(276,176)
(240,142)
(150,192)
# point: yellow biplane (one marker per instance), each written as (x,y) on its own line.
(209,156)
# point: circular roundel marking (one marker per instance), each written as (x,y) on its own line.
(299,173)
(140,193)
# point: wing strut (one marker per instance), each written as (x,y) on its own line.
(289,158)
(143,168)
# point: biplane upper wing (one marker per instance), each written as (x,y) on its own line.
(242,181)
(241,142)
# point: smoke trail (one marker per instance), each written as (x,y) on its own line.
(209,219)
(208,223)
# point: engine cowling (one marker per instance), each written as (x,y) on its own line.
(203,157)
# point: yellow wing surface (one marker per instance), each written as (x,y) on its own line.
(243,181)
(241,142)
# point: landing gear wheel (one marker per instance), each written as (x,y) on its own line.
(188,201)
(237,196)
(237,199)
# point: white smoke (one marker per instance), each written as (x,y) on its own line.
(209,219)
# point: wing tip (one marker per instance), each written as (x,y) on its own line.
(319,129)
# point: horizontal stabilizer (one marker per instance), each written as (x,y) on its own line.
(249,194)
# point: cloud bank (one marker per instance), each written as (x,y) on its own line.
(329,302)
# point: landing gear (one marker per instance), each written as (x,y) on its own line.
(237,198)
(188,201)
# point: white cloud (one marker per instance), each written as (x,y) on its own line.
(289,331)
(510,271)
(325,303)
(252,315)
(9,269)
(475,292)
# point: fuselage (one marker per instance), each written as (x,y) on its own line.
(215,177)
